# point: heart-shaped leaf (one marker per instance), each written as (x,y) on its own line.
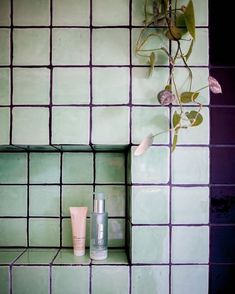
(180,23)
(214,85)
(176,119)
(174,33)
(194,117)
(175,139)
(187,97)
(152,60)
(190,49)
(144,145)
(190,18)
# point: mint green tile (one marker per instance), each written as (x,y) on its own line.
(4,126)
(106,49)
(67,233)
(4,278)
(30,279)
(70,46)
(106,280)
(31,46)
(71,85)
(194,249)
(13,232)
(149,120)
(44,200)
(66,256)
(153,278)
(64,120)
(71,13)
(116,232)
(150,244)
(5,12)
(13,200)
(5,86)
(31,13)
(152,166)
(13,168)
(115,256)
(190,165)
(77,168)
(150,205)
(72,279)
(110,168)
(7,256)
(31,86)
(119,13)
(30,126)
(44,232)
(190,205)
(107,119)
(76,196)
(115,198)
(5,46)
(110,85)
(44,168)
(37,256)
(137,13)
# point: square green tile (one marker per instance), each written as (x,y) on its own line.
(115,256)
(37,256)
(7,256)
(13,168)
(4,126)
(31,46)
(31,86)
(150,205)
(70,125)
(108,280)
(13,200)
(156,278)
(110,85)
(137,13)
(72,279)
(44,200)
(13,232)
(44,168)
(110,125)
(110,168)
(70,46)
(116,232)
(31,13)
(5,12)
(44,232)
(66,256)
(150,244)
(30,126)
(4,86)
(71,85)
(71,13)
(77,168)
(30,279)
(76,196)
(5,278)
(152,166)
(67,233)
(115,199)
(4,47)
(106,49)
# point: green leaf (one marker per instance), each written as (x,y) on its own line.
(175,139)
(194,117)
(181,24)
(176,119)
(152,59)
(190,18)
(174,33)
(187,97)
(189,51)
(168,87)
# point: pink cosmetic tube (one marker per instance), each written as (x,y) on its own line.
(78,220)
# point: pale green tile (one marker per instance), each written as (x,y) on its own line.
(66,256)
(194,249)
(190,205)
(116,232)
(13,168)
(150,205)
(37,256)
(44,200)
(30,126)
(4,86)
(76,196)
(44,232)
(71,85)
(13,200)
(115,256)
(154,279)
(31,85)
(31,13)
(71,12)
(190,165)
(110,125)
(4,277)
(106,280)
(77,168)
(44,168)
(5,46)
(30,279)
(13,232)
(70,46)
(67,233)
(110,85)
(106,49)
(137,12)
(70,125)
(31,46)
(5,12)
(152,166)
(4,126)
(150,244)
(7,256)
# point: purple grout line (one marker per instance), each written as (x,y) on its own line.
(51,74)
(28,181)
(61,185)
(11,71)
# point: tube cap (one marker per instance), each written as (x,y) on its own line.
(99,202)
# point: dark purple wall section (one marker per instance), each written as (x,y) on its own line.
(222,279)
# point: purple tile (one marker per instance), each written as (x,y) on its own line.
(222,279)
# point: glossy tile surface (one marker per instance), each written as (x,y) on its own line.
(66,256)
(4,279)
(5,126)
(7,256)
(13,232)
(37,256)
(5,86)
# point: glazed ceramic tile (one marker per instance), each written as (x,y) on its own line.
(106,49)
(5,46)
(5,13)
(4,277)
(115,256)
(137,13)
(4,126)
(70,46)
(31,46)
(13,232)
(8,256)
(116,233)
(66,256)
(5,86)
(37,256)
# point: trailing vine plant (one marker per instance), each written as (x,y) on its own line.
(163,18)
